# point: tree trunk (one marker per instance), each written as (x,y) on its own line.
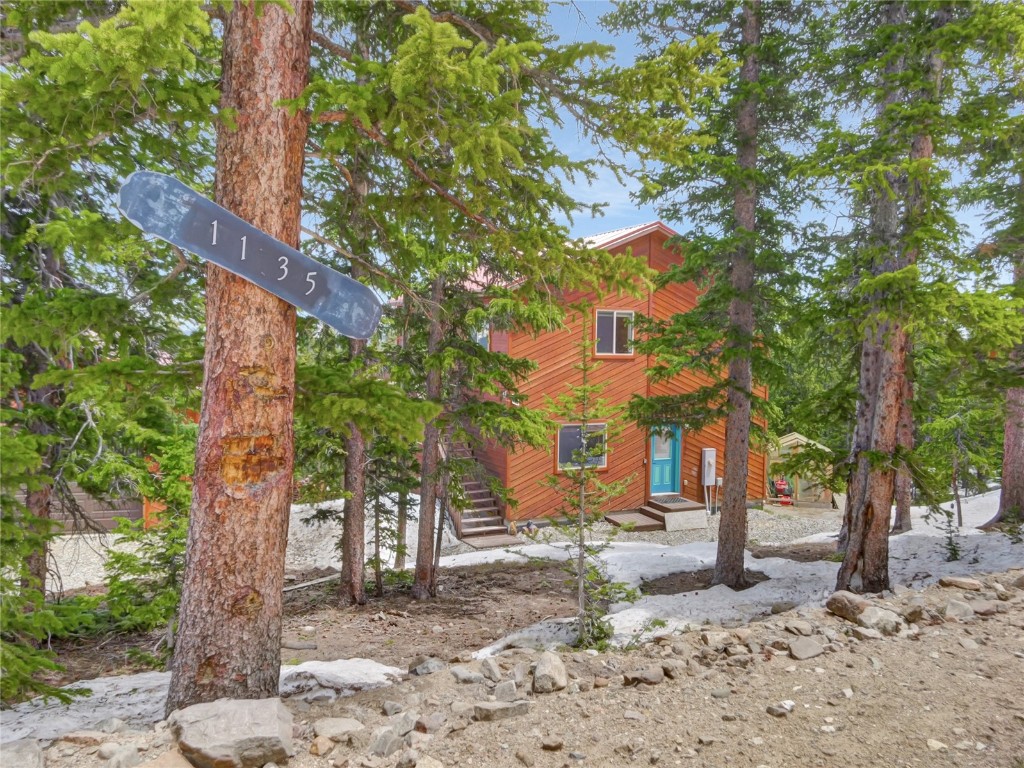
(905,440)
(1011,497)
(956,491)
(732,526)
(229,637)
(401,526)
(882,371)
(378,565)
(424,578)
(37,507)
(352,589)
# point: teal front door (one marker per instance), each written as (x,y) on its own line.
(665,445)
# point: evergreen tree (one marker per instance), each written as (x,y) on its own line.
(736,190)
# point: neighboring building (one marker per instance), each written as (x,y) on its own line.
(665,465)
(808,489)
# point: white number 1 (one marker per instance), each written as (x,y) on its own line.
(214,232)
(243,247)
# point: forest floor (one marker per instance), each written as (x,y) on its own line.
(950,696)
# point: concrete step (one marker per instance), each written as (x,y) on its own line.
(678,519)
(673,504)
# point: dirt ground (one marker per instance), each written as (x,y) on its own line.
(950,696)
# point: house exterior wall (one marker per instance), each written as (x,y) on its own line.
(556,352)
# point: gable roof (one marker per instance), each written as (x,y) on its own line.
(616,237)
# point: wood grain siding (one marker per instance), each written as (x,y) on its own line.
(556,353)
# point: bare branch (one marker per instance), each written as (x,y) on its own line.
(180,267)
(332,47)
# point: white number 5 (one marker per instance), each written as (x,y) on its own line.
(311,281)
(284,267)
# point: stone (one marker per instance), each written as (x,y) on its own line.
(390,708)
(601,682)
(648,676)
(782,606)
(721,693)
(462,708)
(960,582)
(801,628)
(408,759)
(782,709)
(464,674)
(804,648)
(864,633)
(321,746)
(85,738)
(525,758)
(552,743)
(968,644)
(936,746)
(232,733)
(674,669)
(337,728)
(119,755)
(885,621)
(404,724)
(505,690)
(490,669)
(984,607)
(632,714)
(958,609)
(430,723)
(425,665)
(716,640)
(549,675)
(385,742)
(111,725)
(912,613)
(489,711)
(171,759)
(426,761)
(846,605)
(24,753)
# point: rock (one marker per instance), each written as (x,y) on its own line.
(111,725)
(984,607)
(408,759)
(430,723)
(385,742)
(549,675)
(885,621)
(721,693)
(119,755)
(505,690)
(781,709)
(426,761)
(632,714)
(782,606)
(525,758)
(465,674)
(864,633)
(804,648)
(491,670)
(489,711)
(648,676)
(24,753)
(85,738)
(912,613)
(337,728)
(1019,582)
(960,582)
(233,734)
(934,744)
(390,708)
(425,665)
(801,628)
(968,644)
(462,708)
(958,609)
(321,746)
(601,682)
(172,759)
(405,724)
(846,605)
(552,743)
(716,640)
(674,669)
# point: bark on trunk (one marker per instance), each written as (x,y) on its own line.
(424,578)
(1011,498)
(37,506)
(229,637)
(905,440)
(956,492)
(401,527)
(732,526)
(352,589)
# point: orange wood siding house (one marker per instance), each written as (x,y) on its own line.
(629,455)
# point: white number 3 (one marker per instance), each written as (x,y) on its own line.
(284,267)
(312,283)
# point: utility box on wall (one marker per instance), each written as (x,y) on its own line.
(708,465)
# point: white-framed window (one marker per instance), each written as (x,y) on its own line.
(482,336)
(613,332)
(570,445)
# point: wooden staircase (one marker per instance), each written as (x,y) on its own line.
(662,514)
(483,516)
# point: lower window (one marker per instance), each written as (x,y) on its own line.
(572,451)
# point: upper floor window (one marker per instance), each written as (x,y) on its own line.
(482,336)
(614,331)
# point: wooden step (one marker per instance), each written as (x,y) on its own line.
(636,520)
(673,504)
(485,520)
(483,530)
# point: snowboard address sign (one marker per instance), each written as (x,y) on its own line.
(161,205)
